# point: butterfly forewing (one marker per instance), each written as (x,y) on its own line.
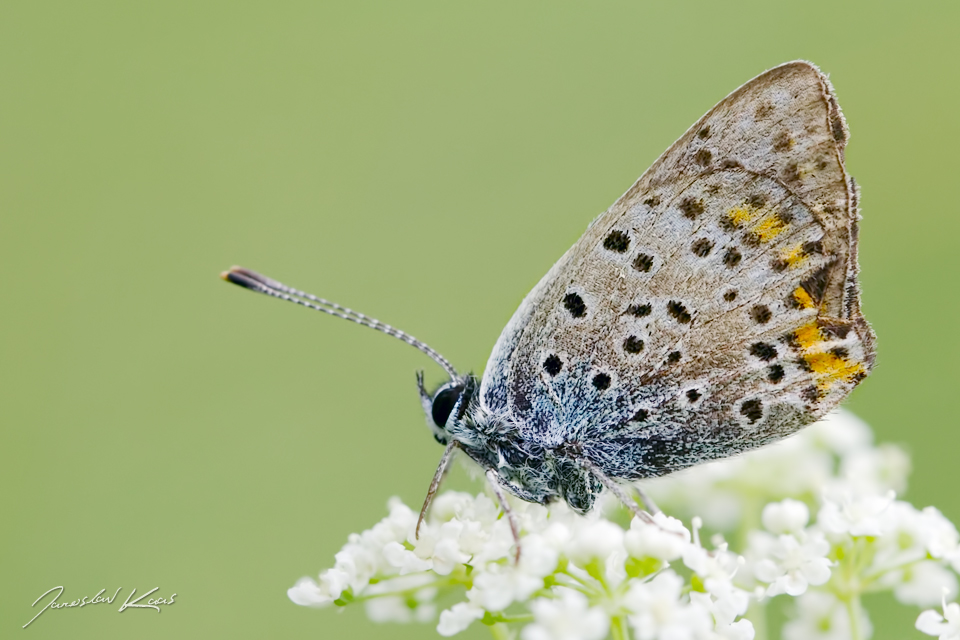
(714,307)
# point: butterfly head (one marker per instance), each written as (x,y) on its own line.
(450,399)
(443,402)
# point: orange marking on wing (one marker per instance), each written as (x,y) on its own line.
(830,368)
(803,298)
(808,335)
(827,367)
(741,215)
(794,256)
(769,227)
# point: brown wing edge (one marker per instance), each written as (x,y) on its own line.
(851,285)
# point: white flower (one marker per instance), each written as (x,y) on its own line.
(659,611)
(501,585)
(446,552)
(728,602)
(396,609)
(876,470)
(457,618)
(820,616)
(539,558)
(902,542)
(792,563)
(404,559)
(731,603)
(664,540)
(578,575)
(856,515)
(739,630)
(498,545)
(569,618)
(940,535)
(792,468)
(841,432)
(946,626)
(923,583)
(473,537)
(596,540)
(718,564)
(787,516)
(396,525)
(360,560)
(457,504)
(307,593)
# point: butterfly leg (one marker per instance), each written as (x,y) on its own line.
(505,506)
(647,501)
(435,483)
(618,491)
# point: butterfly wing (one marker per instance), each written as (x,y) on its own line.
(713,308)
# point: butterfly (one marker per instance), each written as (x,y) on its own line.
(712,309)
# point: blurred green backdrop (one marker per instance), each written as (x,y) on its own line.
(424,162)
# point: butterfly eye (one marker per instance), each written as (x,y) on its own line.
(443,402)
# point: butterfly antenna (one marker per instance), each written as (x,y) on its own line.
(268,286)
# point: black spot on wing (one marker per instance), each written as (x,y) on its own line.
(679,312)
(732,257)
(639,310)
(757,200)
(775,373)
(552,365)
(601,381)
(575,305)
(633,344)
(763,350)
(691,208)
(752,410)
(701,247)
(761,314)
(617,241)
(643,262)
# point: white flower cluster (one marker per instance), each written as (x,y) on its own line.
(590,578)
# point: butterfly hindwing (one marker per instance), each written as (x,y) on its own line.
(713,308)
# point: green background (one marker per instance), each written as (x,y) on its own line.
(423,162)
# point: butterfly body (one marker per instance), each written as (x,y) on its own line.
(714,308)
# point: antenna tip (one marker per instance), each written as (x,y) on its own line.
(237,276)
